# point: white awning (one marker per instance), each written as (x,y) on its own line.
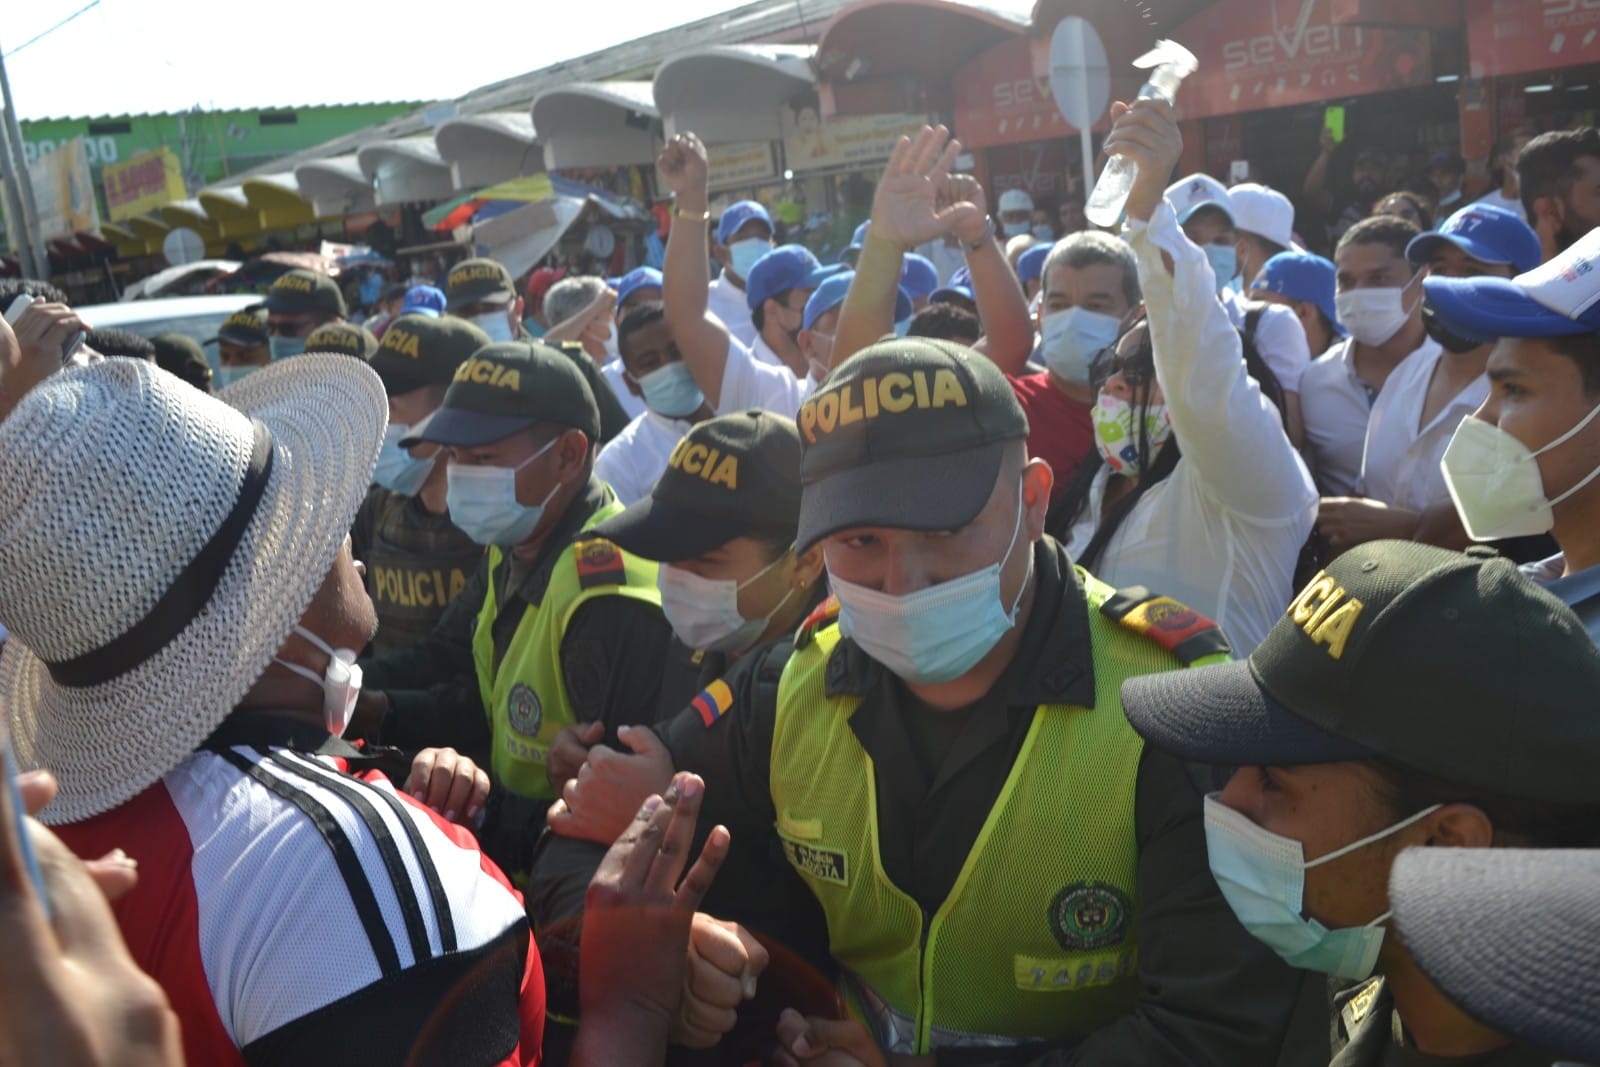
(731,93)
(406,170)
(519,239)
(598,124)
(335,186)
(483,150)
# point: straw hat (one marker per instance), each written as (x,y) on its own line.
(156,548)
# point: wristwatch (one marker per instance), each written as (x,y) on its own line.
(988,233)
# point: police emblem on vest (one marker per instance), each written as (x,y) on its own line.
(524,711)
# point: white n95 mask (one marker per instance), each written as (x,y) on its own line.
(1495,483)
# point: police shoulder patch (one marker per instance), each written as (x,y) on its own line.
(599,562)
(1179,629)
(1090,915)
(825,614)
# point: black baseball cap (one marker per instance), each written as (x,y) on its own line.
(909,434)
(421,350)
(477,281)
(507,387)
(732,476)
(181,355)
(246,327)
(1528,968)
(343,339)
(1452,664)
(298,291)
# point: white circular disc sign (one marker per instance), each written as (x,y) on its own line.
(183,245)
(1080,76)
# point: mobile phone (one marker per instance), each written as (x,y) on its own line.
(19,822)
(1238,171)
(1333,122)
(21,304)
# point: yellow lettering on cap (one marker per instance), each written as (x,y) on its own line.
(478,273)
(727,473)
(1326,612)
(920,380)
(483,372)
(894,392)
(947,390)
(808,420)
(827,411)
(694,458)
(849,413)
(401,342)
(290,281)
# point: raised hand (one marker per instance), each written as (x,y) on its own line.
(683,169)
(906,208)
(1146,133)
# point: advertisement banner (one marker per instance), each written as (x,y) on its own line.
(1257,54)
(809,143)
(1521,36)
(735,165)
(63,191)
(143,184)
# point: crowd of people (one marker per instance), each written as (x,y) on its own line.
(1161,646)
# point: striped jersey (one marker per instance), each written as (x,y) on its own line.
(296,914)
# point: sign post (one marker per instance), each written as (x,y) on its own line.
(1080,81)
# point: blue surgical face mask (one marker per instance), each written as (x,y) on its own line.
(1070,339)
(934,635)
(398,470)
(1224,260)
(284,347)
(1014,229)
(483,502)
(670,390)
(704,612)
(1262,877)
(1044,233)
(494,323)
(226,376)
(745,253)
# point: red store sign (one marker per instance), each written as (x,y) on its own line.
(1258,54)
(1520,36)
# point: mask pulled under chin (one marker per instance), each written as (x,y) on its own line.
(340,682)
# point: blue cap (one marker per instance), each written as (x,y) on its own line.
(739,214)
(962,278)
(424,300)
(918,276)
(1487,233)
(785,267)
(636,279)
(1301,276)
(1555,299)
(1031,263)
(830,294)
(859,238)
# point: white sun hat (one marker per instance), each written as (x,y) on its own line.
(157,546)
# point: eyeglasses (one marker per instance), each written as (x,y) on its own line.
(1137,367)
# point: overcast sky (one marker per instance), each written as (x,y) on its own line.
(134,56)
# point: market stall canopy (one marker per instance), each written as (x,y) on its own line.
(335,186)
(598,124)
(152,231)
(405,170)
(898,55)
(277,197)
(485,149)
(230,210)
(520,239)
(188,213)
(731,93)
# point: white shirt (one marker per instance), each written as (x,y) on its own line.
(749,383)
(1401,465)
(763,352)
(611,371)
(1495,198)
(727,303)
(1223,531)
(1279,338)
(634,460)
(1335,404)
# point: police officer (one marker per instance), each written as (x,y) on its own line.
(1000,860)
(556,626)
(1409,697)
(343,338)
(721,524)
(418,561)
(297,303)
(481,291)
(242,345)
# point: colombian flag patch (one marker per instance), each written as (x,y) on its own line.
(714,700)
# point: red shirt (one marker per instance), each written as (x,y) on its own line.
(1059,429)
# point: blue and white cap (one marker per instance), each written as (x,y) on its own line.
(831,293)
(1487,233)
(1301,276)
(1555,299)
(737,215)
(1188,195)
(634,280)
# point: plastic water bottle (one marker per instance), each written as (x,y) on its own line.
(1172,63)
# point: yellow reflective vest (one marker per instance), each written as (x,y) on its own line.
(525,694)
(1039,936)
